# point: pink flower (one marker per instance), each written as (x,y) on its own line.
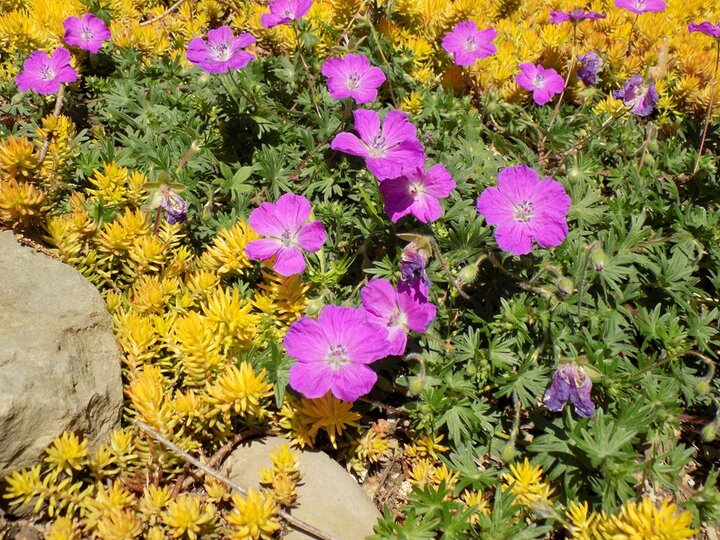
(88,33)
(543,83)
(574,16)
(353,76)
(638,7)
(706,27)
(222,52)
(284,225)
(397,311)
(333,353)
(417,193)
(44,73)
(389,150)
(467,44)
(525,208)
(285,11)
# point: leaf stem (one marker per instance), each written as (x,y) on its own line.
(709,109)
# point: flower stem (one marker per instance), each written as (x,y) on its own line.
(567,78)
(709,109)
(56,113)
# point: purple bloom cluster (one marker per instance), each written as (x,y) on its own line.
(590,64)
(221,52)
(543,83)
(353,77)
(285,11)
(468,44)
(640,97)
(570,383)
(574,16)
(284,224)
(524,208)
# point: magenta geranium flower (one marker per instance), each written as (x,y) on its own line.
(389,150)
(417,193)
(543,83)
(332,353)
(87,33)
(44,73)
(397,311)
(525,208)
(353,76)
(706,27)
(638,7)
(284,223)
(467,44)
(221,52)
(640,97)
(285,11)
(574,16)
(570,383)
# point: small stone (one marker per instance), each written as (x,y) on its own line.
(329,498)
(59,360)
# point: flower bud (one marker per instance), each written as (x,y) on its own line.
(565,286)
(313,306)
(599,259)
(702,388)
(709,433)
(508,452)
(416,385)
(468,274)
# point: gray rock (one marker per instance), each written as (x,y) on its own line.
(329,498)
(59,360)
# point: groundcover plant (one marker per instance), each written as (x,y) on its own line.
(469,248)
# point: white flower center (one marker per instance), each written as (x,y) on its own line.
(378,147)
(47,73)
(86,34)
(416,189)
(353,81)
(289,13)
(539,81)
(471,44)
(398,319)
(523,211)
(337,357)
(288,239)
(221,52)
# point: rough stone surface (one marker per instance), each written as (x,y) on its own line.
(59,361)
(329,498)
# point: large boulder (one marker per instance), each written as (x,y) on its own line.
(329,498)
(59,361)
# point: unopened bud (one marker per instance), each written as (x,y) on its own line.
(702,388)
(468,274)
(313,306)
(599,259)
(709,433)
(163,177)
(508,452)
(565,286)
(416,385)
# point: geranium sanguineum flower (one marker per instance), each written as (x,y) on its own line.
(221,52)
(44,73)
(389,150)
(525,208)
(353,76)
(570,383)
(706,28)
(87,33)
(284,224)
(332,353)
(399,311)
(590,64)
(174,205)
(467,43)
(285,11)
(640,97)
(417,193)
(574,16)
(543,83)
(638,7)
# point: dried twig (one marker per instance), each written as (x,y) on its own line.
(295,522)
(56,113)
(164,14)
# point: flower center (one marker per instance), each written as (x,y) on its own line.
(288,239)
(398,319)
(378,146)
(471,44)
(289,13)
(47,73)
(353,81)
(539,81)
(86,34)
(337,357)
(640,4)
(523,211)
(416,189)
(221,52)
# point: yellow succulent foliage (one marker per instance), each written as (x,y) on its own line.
(187,516)
(17,158)
(67,453)
(525,482)
(21,203)
(645,520)
(305,418)
(36,24)
(254,516)
(226,255)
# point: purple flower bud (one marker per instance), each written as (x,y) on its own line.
(412,269)
(175,206)
(590,64)
(639,97)
(570,383)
